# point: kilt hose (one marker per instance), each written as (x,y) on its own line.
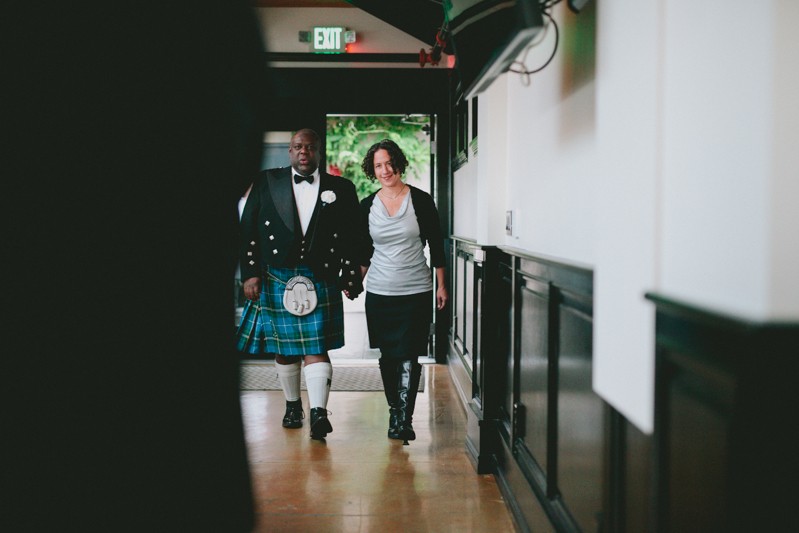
(268,327)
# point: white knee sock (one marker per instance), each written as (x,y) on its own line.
(289,376)
(317,380)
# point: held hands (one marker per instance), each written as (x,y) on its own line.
(252,288)
(354,294)
(441,297)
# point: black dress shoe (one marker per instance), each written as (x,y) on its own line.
(320,425)
(294,415)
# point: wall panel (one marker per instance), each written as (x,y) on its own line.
(533,406)
(726,425)
(532,418)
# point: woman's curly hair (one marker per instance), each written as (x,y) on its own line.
(398,160)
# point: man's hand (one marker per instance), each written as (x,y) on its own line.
(252,288)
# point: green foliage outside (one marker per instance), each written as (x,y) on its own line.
(349,138)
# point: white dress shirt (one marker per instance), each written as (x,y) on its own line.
(305,195)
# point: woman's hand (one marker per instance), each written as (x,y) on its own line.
(441,297)
(252,288)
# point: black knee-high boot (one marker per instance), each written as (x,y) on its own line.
(408,375)
(388,372)
(416,376)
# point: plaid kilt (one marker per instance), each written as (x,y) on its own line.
(267,327)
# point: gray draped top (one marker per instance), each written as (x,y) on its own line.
(399,266)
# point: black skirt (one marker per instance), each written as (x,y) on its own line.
(399,325)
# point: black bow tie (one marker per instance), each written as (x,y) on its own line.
(298,178)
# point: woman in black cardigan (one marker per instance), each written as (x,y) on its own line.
(396,223)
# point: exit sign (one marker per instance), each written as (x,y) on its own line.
(328,39)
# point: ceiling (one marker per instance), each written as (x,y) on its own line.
(421,19)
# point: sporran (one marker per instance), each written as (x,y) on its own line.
(299,296)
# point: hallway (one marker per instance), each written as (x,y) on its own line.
(359,480)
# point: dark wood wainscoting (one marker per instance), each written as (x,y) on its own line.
(628,483)
(726,422)
(723,454)
(521,357)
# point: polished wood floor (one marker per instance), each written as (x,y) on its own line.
(358,480)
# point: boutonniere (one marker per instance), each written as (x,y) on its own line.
(328,197)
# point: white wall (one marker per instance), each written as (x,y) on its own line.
(717,138)
(492,163)
(672,170)
(480,203)
(783,286)
(628,119)
(465,199)
(730,136)
(551,157)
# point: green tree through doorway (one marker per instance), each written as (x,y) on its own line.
(350,136)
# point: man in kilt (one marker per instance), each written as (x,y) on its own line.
(298,247)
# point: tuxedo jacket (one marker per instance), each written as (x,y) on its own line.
(271,234)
